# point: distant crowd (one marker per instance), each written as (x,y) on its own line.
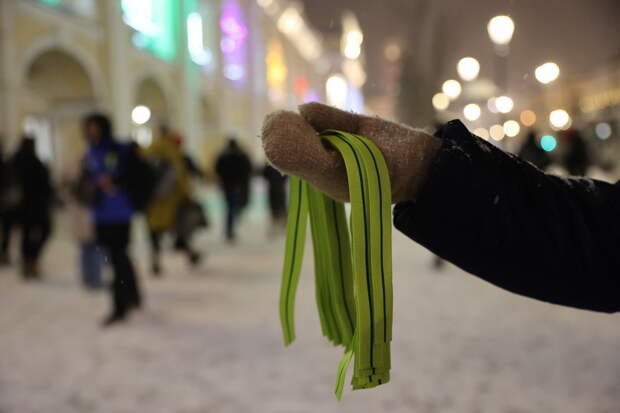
(114,181)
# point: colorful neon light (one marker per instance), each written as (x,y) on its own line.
(234,39)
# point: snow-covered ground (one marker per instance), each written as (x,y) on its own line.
(209,341)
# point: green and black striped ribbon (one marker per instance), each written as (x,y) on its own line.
(353,273)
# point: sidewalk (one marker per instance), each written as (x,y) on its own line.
(209,341)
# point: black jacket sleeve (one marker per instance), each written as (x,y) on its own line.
(502,219)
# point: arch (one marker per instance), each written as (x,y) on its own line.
(158,78)
(58,78)
(84,58)
(149,92)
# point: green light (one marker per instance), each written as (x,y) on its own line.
(157,23)
(548,143)
(53,3)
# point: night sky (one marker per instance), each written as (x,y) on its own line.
(580,35)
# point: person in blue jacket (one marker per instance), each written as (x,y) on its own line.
(106,161)
(492,214)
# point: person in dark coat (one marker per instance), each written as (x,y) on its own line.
(532,152)
(33,204)
(106,160)
(234,169)
(276,191)
(577,159)
(5,209)
(495,216)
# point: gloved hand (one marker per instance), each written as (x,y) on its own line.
(293,146)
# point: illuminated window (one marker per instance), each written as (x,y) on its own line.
(155,25)
(276,70)
(234,39)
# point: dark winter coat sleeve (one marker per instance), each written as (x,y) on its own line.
(542,236)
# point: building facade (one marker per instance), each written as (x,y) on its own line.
(206,68)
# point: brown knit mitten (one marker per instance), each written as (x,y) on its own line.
(293,146)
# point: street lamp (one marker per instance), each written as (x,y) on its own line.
(504,104)
(511,128)
(140,114)
(471,111)
(547,73)
(501,28)
(337,90)
(441,101)
(452,88)
(468,68)
(559,119)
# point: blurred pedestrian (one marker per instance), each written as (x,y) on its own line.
(172,189)
(191,215)
(532,152)
(106,160)
(577,158)
(276,191)
(234,169)
(5,208)
(78,201)
(33,199)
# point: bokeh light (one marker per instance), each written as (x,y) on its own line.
(528,117)
(504,104)
(337,89)
(140,115)
(471,111)
(559,119)
(482,132)
(491,105)
(452,88)
(500,29)
(547,73)
(497,132)
(511,128)
(602,130)
(468,68)
(548,143)
(392,51)
(441,101)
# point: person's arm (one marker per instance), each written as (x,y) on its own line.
(546,237)
(502,219)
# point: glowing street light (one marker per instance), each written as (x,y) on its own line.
(452,88)
(559,119)
(497,132)
(603,130)
(471,111)
(468,68)
(352,37)
(511,128)
(548,143)
(482,132)
(547,73)
(392,51)
(501,28)
(337,90)
(528,117)
(441,101)
(504,104)
(140,115)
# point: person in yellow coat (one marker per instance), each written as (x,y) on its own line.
(171,191)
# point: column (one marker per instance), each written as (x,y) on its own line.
(119,73)
(9,77)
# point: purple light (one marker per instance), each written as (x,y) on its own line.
(233,28)
(311,96)
(229,45)
(233,43)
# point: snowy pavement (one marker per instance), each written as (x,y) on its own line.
(209,341)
